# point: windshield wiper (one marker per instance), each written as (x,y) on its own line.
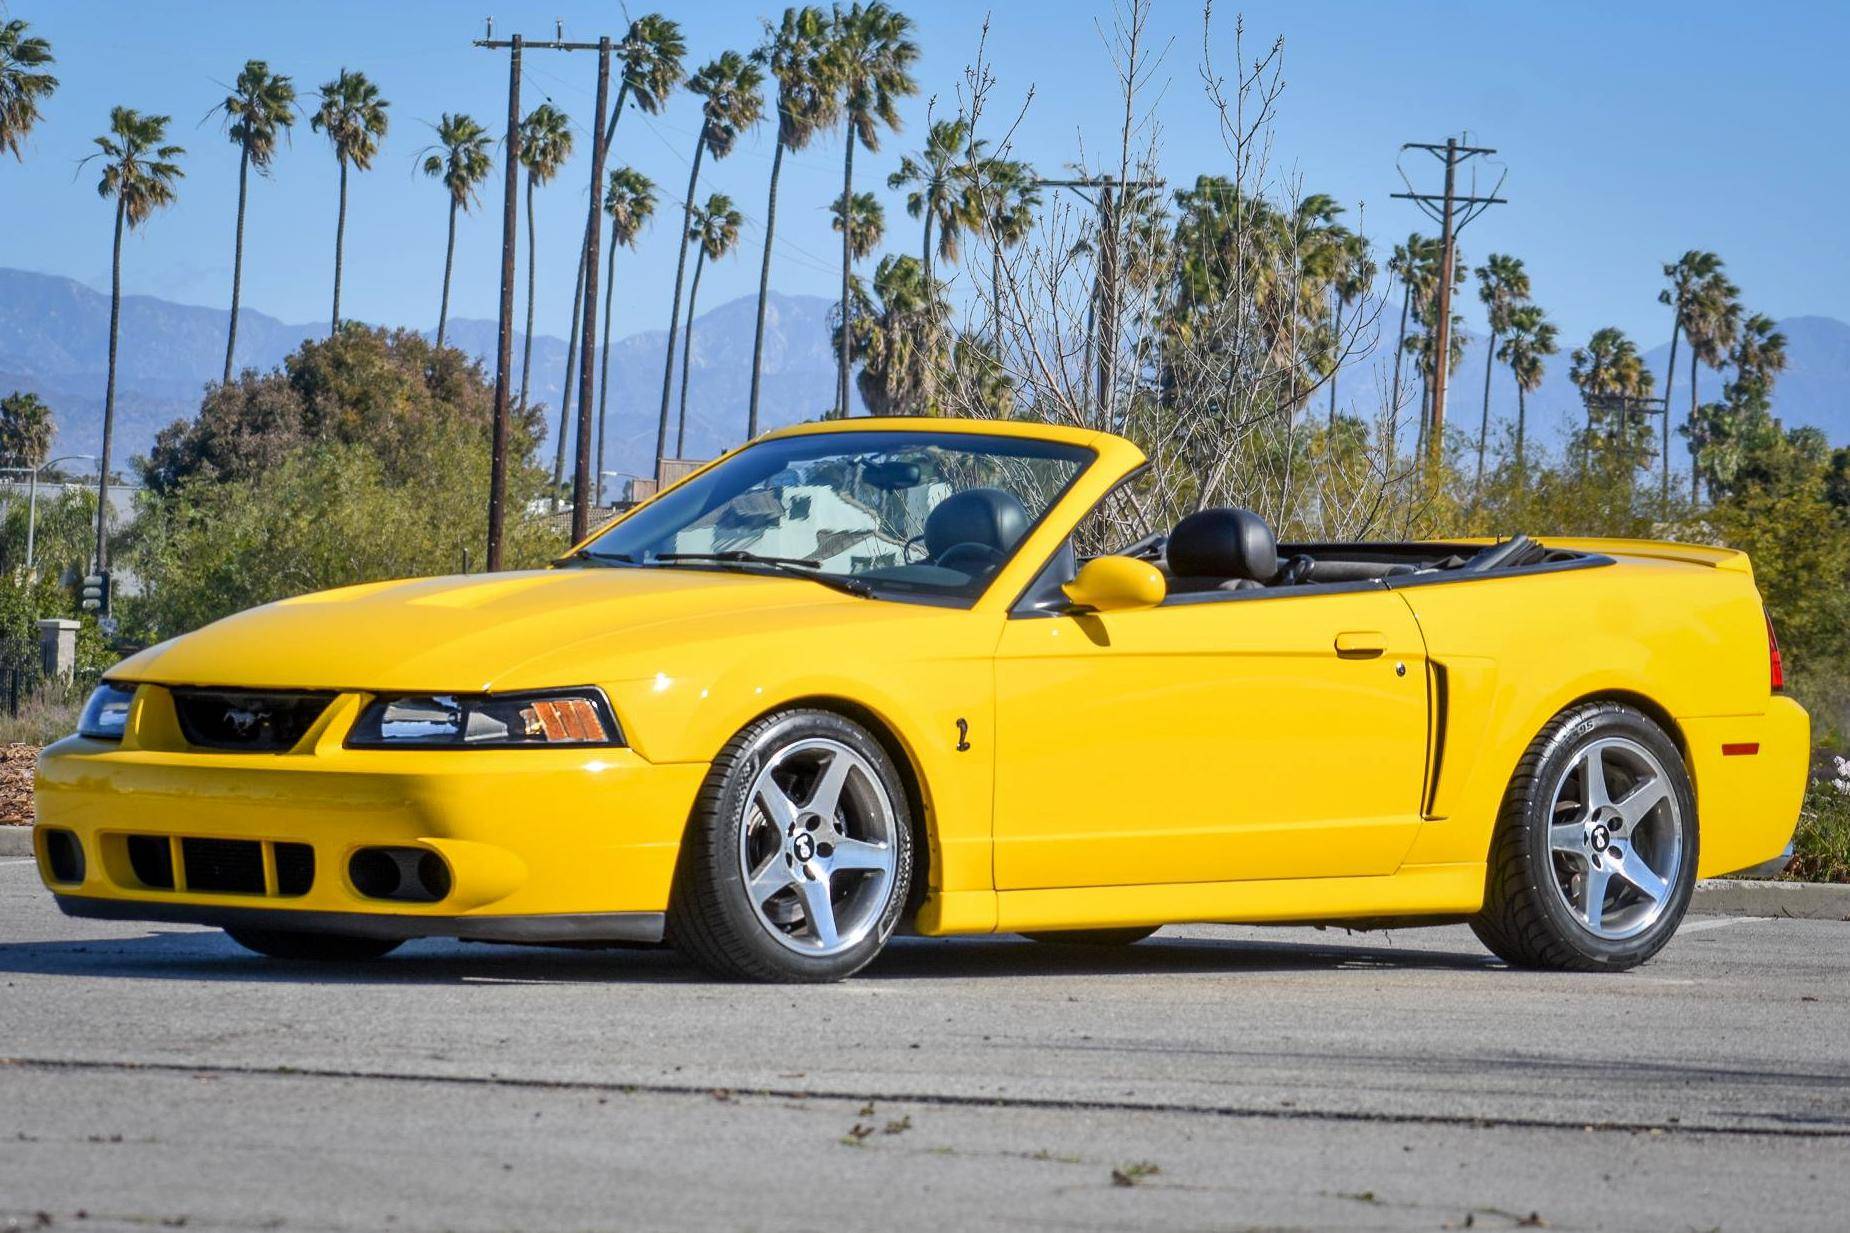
(585,554)
(795,567)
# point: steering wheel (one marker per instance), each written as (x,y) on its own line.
(970,558)
(1295,571)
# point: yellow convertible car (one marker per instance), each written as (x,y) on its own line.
(860,674)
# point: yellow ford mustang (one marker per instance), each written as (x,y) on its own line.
(862,672)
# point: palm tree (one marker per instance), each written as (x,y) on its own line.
(874,55)
(630,201)
(139,171)
(944,187)
(799,53)
(1688,272)
(1410,264)
(545,145)
(460,160)
(713,229)
(1011,201)
(1502,284)
(730,87)
(1529,338)
(1353,278)
(261,104)
(26,430)
(1711,323)
(651,52)
(898,337)
(22,85)
(865,227)
(1610,372)
(353,116)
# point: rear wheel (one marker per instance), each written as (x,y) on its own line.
(323,947)
(1594,859)
(1093,937)
(799,853)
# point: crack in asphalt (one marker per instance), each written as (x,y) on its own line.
(945,1099)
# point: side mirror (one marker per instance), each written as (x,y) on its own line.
(1116,584)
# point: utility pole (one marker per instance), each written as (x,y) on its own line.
(1451,212)
(497,496)
(582,491)
(1102,315)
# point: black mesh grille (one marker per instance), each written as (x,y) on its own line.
(223,866)
(247,722)
(295,868)
(152,860)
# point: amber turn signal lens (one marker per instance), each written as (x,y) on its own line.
(564,719)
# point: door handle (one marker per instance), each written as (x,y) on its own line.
(1361,643)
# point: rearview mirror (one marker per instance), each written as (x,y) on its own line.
(1116,584)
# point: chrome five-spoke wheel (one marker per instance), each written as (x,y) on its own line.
(798,857)
(817,849)
(1616,833)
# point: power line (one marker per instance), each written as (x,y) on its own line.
(1452,213)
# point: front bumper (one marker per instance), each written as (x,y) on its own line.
(540,845)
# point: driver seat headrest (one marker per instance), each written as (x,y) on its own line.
(1230,544)
(987,516)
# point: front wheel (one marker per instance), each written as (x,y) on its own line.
(321,947)
(799,853)
(1594,859)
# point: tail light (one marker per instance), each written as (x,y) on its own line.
(1775,664)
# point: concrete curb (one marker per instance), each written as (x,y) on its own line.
(15,840)
(1796,900)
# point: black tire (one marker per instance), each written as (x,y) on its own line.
(319,947)
(1093,937)
(1526,919)
(711,918)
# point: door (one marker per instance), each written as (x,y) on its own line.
(1260,736)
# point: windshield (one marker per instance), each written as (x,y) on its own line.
(928,514)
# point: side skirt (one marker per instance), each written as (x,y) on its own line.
(585,927)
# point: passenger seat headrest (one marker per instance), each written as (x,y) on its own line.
(987,516)
(1223,543)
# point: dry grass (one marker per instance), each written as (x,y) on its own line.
(16,761)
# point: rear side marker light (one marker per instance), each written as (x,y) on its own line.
(1741,749)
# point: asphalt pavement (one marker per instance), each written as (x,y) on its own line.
(1209,1078)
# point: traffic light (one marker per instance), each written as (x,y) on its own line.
(96,592)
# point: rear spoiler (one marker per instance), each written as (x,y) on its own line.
(1660,550)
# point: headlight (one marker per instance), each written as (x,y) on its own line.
(466,721)
(105,715)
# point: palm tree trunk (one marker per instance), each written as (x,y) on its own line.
(1335,341)
(1695,476)
(1400,350)
(1483,424)
(847,268)
(674,311)
(565,388)
(1670,377)
(603,376)
(526,349)
(449,260)
(1522,417)
(764,293)
(687,350)
(340,243)
(109,395)
(925,250)
(237,262)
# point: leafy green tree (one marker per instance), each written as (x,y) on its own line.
(1610,373)
(545,145)
(799,51)
(461,162)
(353,115)
(629,199)
(873,54)
(26,430)
(729,85)
(260,106)
(139,171)
(714,232)
(23,83)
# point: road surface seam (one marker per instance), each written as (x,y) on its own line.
(945,1099)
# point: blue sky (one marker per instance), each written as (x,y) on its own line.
(1631,132)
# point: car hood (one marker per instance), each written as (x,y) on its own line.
(478,632)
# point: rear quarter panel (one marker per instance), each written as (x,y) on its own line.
(1680,631)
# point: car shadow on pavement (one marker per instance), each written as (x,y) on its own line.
(205,955)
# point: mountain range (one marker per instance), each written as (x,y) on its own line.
(54,342)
